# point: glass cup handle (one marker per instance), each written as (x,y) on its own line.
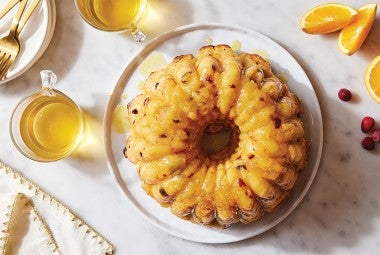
(48,79)
(137,35)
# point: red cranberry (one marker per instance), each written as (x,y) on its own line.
(241,183)
(367,124)
(376,134)
(344,94)
(368,143)
(277,123)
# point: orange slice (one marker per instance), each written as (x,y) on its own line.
(327,18)
(372,78)
(353,35)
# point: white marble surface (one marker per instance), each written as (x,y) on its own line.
(341,212)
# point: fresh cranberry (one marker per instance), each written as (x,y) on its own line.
(376,134)
(368,143)
(367,124)
(344,94)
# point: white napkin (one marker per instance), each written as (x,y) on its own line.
(26,232)
(33,222)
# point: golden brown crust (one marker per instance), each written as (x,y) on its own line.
(196,94)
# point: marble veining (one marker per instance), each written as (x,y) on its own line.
(339,215)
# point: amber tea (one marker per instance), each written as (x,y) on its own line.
(47,125)
(113,15)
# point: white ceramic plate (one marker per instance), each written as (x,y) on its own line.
(189,39)
(34,38)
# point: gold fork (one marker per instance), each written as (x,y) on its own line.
(10,46)
(26,15)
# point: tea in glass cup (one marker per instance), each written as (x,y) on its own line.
(47,125)
(114,15)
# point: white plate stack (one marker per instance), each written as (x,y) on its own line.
(34,38)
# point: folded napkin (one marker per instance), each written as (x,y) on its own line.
(33,222)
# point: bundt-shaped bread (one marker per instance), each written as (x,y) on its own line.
(218,89)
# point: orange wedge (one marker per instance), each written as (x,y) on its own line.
(353,35)
(327,18)
(372,78)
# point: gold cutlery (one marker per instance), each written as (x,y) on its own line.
(10,46)
(8,7)
(27,13)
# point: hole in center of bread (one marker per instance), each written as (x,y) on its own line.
(219,140)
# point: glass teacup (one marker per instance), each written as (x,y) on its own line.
(114,15)
(47,125)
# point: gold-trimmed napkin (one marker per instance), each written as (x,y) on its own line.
(25,231)
(33,222)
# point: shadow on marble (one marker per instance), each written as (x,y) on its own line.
(370,47)
(66,42)
(330,37)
